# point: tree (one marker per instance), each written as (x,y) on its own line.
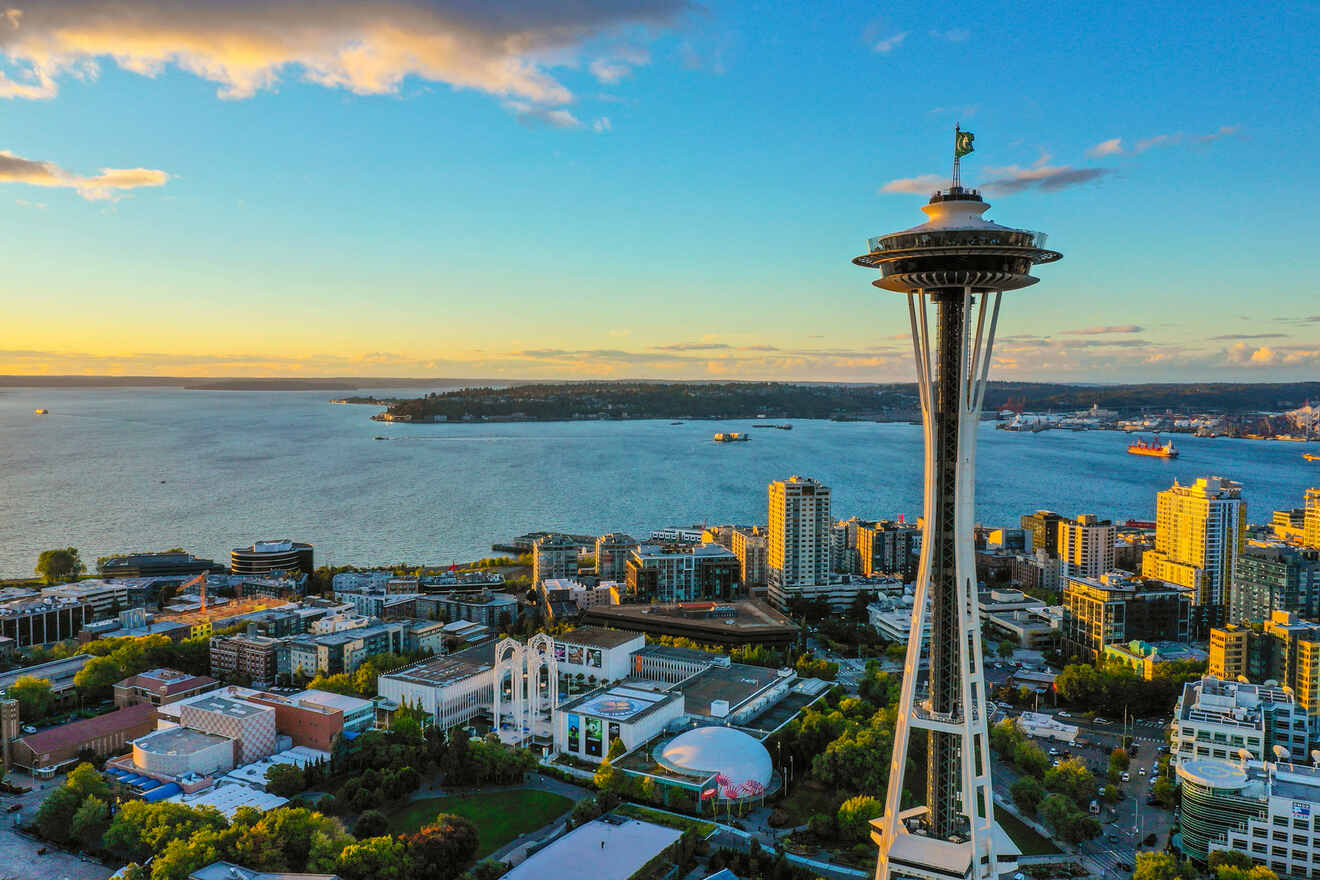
(58,566)
(1155,866)
(442,849)
(376,858)
(1231,857)
(1073,778)
(1006,648)
(487,869)
(853,819)
(617,748)
(1119,760)
(34,697)
(1166,792)
(90,822)
(1062,815)
(99,675)
(87,782)
(284,780)
(372,823)
(1027,794)
(56,813)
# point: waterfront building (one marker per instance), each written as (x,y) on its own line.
(682,574)
(1218,719)
(1013,541)
(1086,546)
(161,686)
(888,548)
(1199,532)
(749,545)
(1117,608)
(1037,570)
(612,552)
(1274,577)
(264,557)
(798,543)
(251,657)
(34,622)
(554,556)
(135,565)
(1289,525)
(1269,811)
(346,650)
(957,265)
(1044,528)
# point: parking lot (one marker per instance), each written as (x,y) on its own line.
(18,853)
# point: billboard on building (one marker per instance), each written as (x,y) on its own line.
(575,654)
(593,741)
(573,723)
(593,657)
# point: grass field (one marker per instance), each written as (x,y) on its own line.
(500,816)
(1030,842)
(669,820)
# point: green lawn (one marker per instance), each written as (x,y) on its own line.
(669,820)
(1030,842)
(500,816)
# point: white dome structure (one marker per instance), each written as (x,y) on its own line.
(740,761)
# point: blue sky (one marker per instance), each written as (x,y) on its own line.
(646,188)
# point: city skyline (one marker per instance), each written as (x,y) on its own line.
(646,190)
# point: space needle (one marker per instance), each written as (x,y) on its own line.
(953,269)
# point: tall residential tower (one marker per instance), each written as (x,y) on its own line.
(798,545)
(956,265)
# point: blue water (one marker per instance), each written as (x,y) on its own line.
(143,469)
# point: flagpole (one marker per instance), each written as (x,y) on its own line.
(957,177)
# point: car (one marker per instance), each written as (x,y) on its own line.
(1065,714)
(1141,770)
(28,728)
(1056,762)
(1053,751)
(1098,720)
(1126,777)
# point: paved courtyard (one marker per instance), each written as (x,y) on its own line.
(18,853)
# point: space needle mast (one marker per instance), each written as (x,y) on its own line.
(956,265)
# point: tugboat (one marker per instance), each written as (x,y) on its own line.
(41,412)
(1153,448)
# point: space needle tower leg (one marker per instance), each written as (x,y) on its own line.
(953,270)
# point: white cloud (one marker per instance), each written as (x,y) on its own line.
(1050,178)
(109,184)
(953,35)
(619,64)
(920,185)
(889,44)
(602,125)
(244,46)
(1111,147)
(531,114)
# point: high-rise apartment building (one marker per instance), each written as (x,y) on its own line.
(554,556)
(1044,528)
(1116,608)
(1285,650)
(1311,519)
(798,548)
(612,553)
(888,548)
(1199,531)
(1086,546)
(751,548)
(1274,577)
(843,548)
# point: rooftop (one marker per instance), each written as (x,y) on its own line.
(66,735)
(597,637)
(229,706)
(608,848)
(178,741)
(620,703)
(736,683)
(439,671)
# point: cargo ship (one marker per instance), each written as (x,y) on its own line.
(1309,457)
(731,437)
(1153,448)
